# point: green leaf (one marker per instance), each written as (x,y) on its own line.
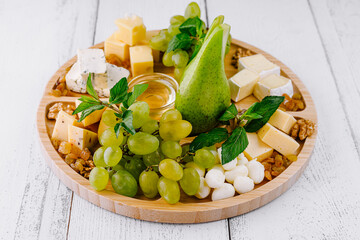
(179,41)
(87,99)
(251,116)
(234,145)
(192,26)
(216,135)
(90,110)
(138,90)
(266,109)
(229,114)
(117,129)
(197,47)
(126,123)
(118,92)
(90,89)
(82,106)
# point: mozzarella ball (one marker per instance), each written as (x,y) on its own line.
(204,189)
(218,167)
(256,171)
(230,165)
(242,160)
(237,171)
(200,170)
(225,191)
(243,184)
(216,155)
(214,178)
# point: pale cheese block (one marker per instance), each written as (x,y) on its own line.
(155,53)
(74,81)
(63,120)
(114,46)
(94,117)
(81,137)
(257,149)
(258,63)
(282,120)
(273,85)
(132,29)
(278,140)
(242,84)
(141,60)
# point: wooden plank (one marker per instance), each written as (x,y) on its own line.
(320,205)
(39,38)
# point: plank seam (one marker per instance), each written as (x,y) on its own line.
(96,19)
(229,229)
(206,13)
(68,225)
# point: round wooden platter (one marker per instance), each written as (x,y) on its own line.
(189,209)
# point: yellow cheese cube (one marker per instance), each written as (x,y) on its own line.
(155,53)
(81,138)
(63,120)
(282,120)
(141,60)
(132,30)
(114,46)
(93,117)
(242,84)
(257,148)
(278,140)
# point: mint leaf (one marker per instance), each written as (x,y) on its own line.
(216,135)
(251,116)
(266,109)
(90,110)
(117,129)
(192,26)
(179,41)
(118,92)
(82,106)
(87,99)
(126,123)
(197,47)
(234,145)
(90,88)
(229,114)
(138,90)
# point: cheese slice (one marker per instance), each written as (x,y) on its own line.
(278,140)
(74,81)
(242,84)
(93,117)
(257,148)
(273,85)
(282,120)
(63,120)
(81,138)
(114,46)
(258,63)
(132,30)
(141,60)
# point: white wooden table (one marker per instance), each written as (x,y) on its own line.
(318,39)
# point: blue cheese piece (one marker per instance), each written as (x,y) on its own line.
(103,83)
(273,85)
(91,61)
(74,81)
(258,63)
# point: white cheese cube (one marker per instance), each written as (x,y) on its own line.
(91,61)
(273,85)
(74,81)
(282,120)
(63,121)
(258,63)
(242,84)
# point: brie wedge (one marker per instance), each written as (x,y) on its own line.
(242,84)
(258,63)
(273,85)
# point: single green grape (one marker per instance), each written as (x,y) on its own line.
(135,166)
(150,126)
(171,169)
(190,182)
(99,178)
(148,183)
(167,59)
(153,158)
(124,183)
(175,130)
(109,118)
(177,19)
(169,190)
(199,169)
(108,138)
(125,138)
(170,115)
(165,33)
(99,157)
(112,155)
(171,149)
(174,29)
(143,143)
(118,167)
(159,42)
(180,58)
(178,72)
(192,10)
(204,158)
(140,111)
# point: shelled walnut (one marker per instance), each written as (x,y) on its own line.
(57,107)
(293,104)
(276,164)
(240,52)
(302,129)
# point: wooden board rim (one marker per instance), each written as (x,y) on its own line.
(158,210)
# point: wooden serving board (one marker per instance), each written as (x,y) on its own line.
(189,209)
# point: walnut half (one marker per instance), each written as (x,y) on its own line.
(302,129)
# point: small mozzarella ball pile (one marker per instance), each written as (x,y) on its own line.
(238,175)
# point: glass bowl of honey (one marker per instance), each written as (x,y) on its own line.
(160,94)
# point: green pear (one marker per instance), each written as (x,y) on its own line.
(204,92)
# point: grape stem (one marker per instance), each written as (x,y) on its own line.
(111,107)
